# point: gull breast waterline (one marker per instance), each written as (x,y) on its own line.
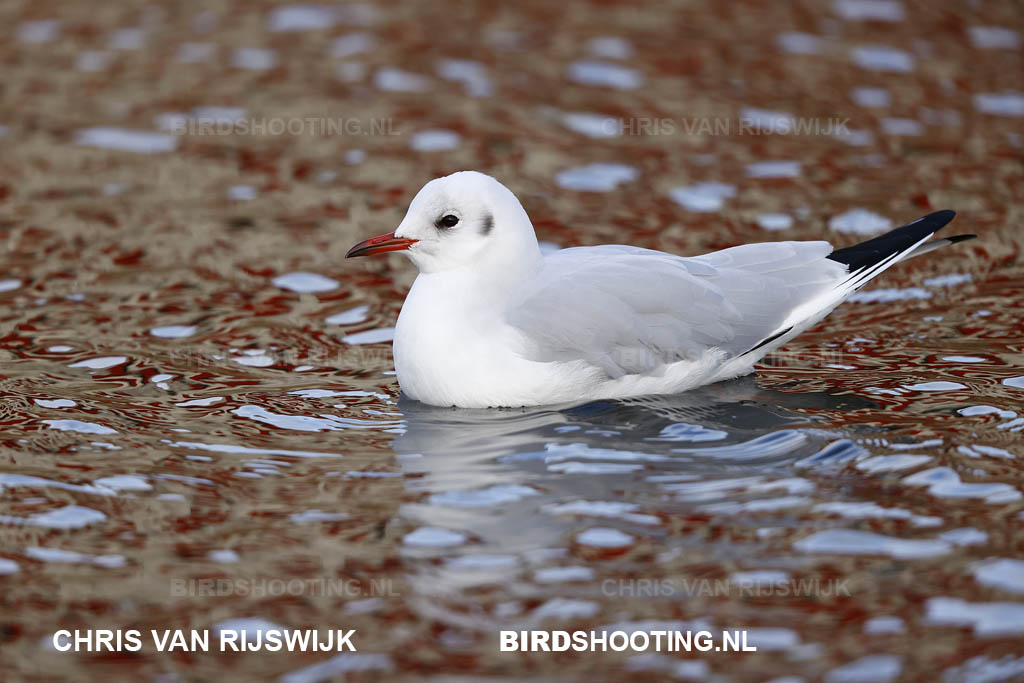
(490,321)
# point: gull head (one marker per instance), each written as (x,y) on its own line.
(466,219)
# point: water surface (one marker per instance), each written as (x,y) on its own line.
(200,426)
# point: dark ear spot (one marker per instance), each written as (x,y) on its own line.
(488,225)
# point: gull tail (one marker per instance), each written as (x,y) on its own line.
(864,261)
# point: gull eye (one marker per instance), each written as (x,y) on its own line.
(447,221)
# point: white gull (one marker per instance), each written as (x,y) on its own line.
(492,321)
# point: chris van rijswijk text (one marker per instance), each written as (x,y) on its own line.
(224,640)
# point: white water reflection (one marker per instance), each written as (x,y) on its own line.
(557,489)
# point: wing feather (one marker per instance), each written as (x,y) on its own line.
(628,310)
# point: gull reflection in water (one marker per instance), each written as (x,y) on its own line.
(523,461)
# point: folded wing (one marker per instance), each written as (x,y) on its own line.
(627,310)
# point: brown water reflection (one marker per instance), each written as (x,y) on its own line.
(199,420)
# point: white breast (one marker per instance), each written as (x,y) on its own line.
(453,347)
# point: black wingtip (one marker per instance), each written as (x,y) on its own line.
(941,218)
(873,251)
(960,238)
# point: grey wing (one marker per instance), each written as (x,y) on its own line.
(628,310)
